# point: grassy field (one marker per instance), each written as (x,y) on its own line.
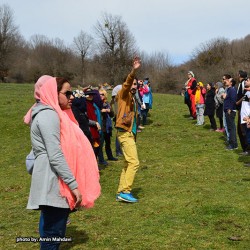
(193,194)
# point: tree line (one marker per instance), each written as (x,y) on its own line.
(106,55)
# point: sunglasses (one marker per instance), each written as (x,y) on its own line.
(102,94)
(68,94)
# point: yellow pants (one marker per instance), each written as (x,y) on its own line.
(128,146)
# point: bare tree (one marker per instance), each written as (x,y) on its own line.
(82,44)
(50,57)
(116,45)
(9,36)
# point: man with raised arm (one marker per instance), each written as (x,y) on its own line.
(126,132)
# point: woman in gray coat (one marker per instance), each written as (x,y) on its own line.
(60,178)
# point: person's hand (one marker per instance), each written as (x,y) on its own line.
(136,63)
(78,197)
(85,88)
(105,110)
(98,126)
(223,95)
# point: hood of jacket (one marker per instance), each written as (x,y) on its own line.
(39,107)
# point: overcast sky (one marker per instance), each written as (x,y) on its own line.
(176,27)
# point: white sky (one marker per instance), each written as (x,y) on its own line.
(176,27)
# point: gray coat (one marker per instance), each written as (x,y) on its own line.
(50,162)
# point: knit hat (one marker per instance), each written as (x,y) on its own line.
(191,73)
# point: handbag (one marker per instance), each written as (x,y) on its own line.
(30,161)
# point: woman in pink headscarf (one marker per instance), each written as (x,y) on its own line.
(65,174)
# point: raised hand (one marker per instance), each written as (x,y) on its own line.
(136,62)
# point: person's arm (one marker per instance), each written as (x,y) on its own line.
(49,126)
(194,84)
(126,86)
(145,89)
(137,97)
(93,123)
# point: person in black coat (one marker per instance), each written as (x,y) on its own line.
(79,110)
(210,105)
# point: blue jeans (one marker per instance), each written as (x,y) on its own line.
(230,120)
(52,223)
(107,139)
(144,114)
(225,125)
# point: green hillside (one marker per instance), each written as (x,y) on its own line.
(193,194)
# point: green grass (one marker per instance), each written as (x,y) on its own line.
(193,193)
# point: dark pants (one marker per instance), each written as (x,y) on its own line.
(241,133)
(117,147)
(52,223)
(144,114)
(230,120)
(247,130)
(105,138)
(212,122)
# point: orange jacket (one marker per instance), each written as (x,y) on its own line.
(126,102)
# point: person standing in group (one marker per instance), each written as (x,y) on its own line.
(94,115)
(245,114)
(230,112)
(142,89)
(240,95)
(219,90)
(200,92)
(113,105)
(65,174)
(190,88)
(106,114)
(210,105)
(147,98)
(224,80)
(126,133)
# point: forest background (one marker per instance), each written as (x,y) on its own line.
(105,56)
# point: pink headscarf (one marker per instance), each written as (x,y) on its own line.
(76,147)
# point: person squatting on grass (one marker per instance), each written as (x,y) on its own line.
(126,133)
(65,174)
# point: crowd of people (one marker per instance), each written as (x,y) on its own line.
(224,100)
(68,132)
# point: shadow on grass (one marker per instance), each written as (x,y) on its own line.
(136,191)
(149,121)
(207,126)
(79,237)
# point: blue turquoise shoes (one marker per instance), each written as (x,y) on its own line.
(127,197)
